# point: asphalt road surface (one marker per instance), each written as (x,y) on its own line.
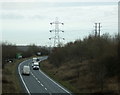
(38,82)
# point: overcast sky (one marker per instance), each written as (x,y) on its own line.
(26,22)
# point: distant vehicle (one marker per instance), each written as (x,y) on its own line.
(38,53)
(18,56)
(9,60)
(34,59)
(35,66)
(26,70)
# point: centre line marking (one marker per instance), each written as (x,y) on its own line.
(41,84)
(45,88)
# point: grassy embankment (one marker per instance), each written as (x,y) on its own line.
(10,80)
(57,74)
(81,81)
(87,66)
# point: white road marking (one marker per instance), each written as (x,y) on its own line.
(22,78)
(39,81)
(32,75)
(36,78)
(41,84)
(45,88)
(54,81)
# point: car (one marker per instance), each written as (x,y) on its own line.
(34,59)
(9,60)
(26,70)
(35,66)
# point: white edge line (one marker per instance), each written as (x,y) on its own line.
(22,78)
(41,84)
(54,82)
(39,81)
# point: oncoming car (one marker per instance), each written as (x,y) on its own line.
(35,66)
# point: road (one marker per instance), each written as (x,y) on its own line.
(39,83)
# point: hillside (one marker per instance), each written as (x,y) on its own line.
(87,66)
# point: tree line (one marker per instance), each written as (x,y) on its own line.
(9,51)
(102,50)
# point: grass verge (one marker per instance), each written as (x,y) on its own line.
(10,81)
(49,70)
(79,78)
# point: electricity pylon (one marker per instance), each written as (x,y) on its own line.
(97,29)
(56,30)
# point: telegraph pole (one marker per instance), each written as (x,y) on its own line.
(56,30)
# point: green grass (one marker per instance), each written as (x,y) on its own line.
(10,80)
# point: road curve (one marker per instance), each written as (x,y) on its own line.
(39,83)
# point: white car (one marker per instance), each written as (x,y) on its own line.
(26,70)
(34,59)
(35,66)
